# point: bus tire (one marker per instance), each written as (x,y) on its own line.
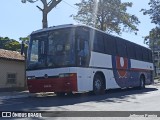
(142,82)
(98,85)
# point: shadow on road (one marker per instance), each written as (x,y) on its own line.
(35,102)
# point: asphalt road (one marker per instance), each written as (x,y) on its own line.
(114,100)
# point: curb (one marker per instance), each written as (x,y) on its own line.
(11,97)
(16,96)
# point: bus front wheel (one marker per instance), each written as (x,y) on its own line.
(98,85)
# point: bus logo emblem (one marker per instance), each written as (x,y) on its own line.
(122,66)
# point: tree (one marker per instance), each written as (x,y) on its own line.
(25,42)
(24,39)
(9,44)
(154,13)
(153,39)
(107,15)
(154,36)
(47,7)
(3,42)
(4,38)
(13,45)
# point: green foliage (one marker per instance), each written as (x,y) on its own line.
(5,38)
(13,45)
(3,42)
(107,15)
(9,44)
(154,13)
(153,37)
(25,40)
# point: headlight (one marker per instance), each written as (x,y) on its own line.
(31,77)
(66,75)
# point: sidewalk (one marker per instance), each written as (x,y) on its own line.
(15,94)
(156,82)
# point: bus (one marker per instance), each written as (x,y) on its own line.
(78,58)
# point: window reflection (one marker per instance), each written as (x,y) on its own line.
(82,47)
(51,49)
(34,52)
(59,48)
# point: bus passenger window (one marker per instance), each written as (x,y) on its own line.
(83,51)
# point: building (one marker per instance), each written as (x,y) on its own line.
(12,70)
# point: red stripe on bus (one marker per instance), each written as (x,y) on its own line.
(139,69)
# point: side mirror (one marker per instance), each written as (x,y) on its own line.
(22,47)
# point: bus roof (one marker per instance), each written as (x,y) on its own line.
(79,25)
(54,27)
(66,26)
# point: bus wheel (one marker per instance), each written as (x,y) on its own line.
(98,85)
(142,82)
(60,93)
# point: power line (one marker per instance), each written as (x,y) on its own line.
(138,35)
(70,5)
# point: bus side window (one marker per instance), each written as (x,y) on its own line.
(145,55)
(150,56)
(83,47)
(139,55)
(121,48)
(98,43)
(110,45)
(131,51)
(83,51)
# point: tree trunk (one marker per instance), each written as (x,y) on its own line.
(44,20)
(102,23)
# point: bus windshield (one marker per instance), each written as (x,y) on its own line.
(51,49)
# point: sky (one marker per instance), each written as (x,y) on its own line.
(19,20)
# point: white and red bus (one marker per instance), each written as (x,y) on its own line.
(78,58)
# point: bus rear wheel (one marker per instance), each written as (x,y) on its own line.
(98,85)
